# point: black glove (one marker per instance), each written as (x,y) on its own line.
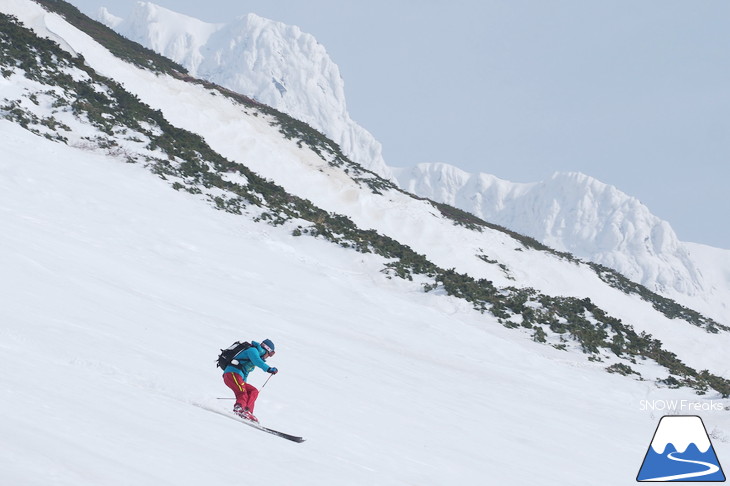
(272,370)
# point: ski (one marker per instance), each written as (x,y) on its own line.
(255,425)
(277,433)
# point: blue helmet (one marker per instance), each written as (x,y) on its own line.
(268,346)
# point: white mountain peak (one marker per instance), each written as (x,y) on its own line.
(274,63)
(570,212)
(97,259)
(288,69)
(108,19)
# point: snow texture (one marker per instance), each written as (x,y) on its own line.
(576,213)
(287,69)
(118,293)
(274,63)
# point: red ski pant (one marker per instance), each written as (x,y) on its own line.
(245,394)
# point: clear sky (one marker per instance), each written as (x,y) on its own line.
(635,94)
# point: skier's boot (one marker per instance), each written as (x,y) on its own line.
(249,416)
(238,410)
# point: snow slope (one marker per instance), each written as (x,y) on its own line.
(125,290)
(578,214)
(715,266)
(287,69)
(252,141)
(275,63)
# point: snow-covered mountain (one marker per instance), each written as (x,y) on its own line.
(578,214)
(287,69)
(275,63)
(138,239)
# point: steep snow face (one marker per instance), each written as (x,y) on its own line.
(274,63)
(179,37)
(715,266)
(131,288)
(571,212)
(285,68)
(253,141)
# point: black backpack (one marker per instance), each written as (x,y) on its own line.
(227,355)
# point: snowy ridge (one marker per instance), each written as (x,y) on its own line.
(128,288)
(287,69)
(252,140)
(578,214)
(274,63)
(101,271)
(570,212)
(181,37)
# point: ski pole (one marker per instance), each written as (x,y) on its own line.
(267,380)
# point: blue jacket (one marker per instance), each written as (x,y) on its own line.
(249,359)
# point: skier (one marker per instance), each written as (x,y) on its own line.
(236,374)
